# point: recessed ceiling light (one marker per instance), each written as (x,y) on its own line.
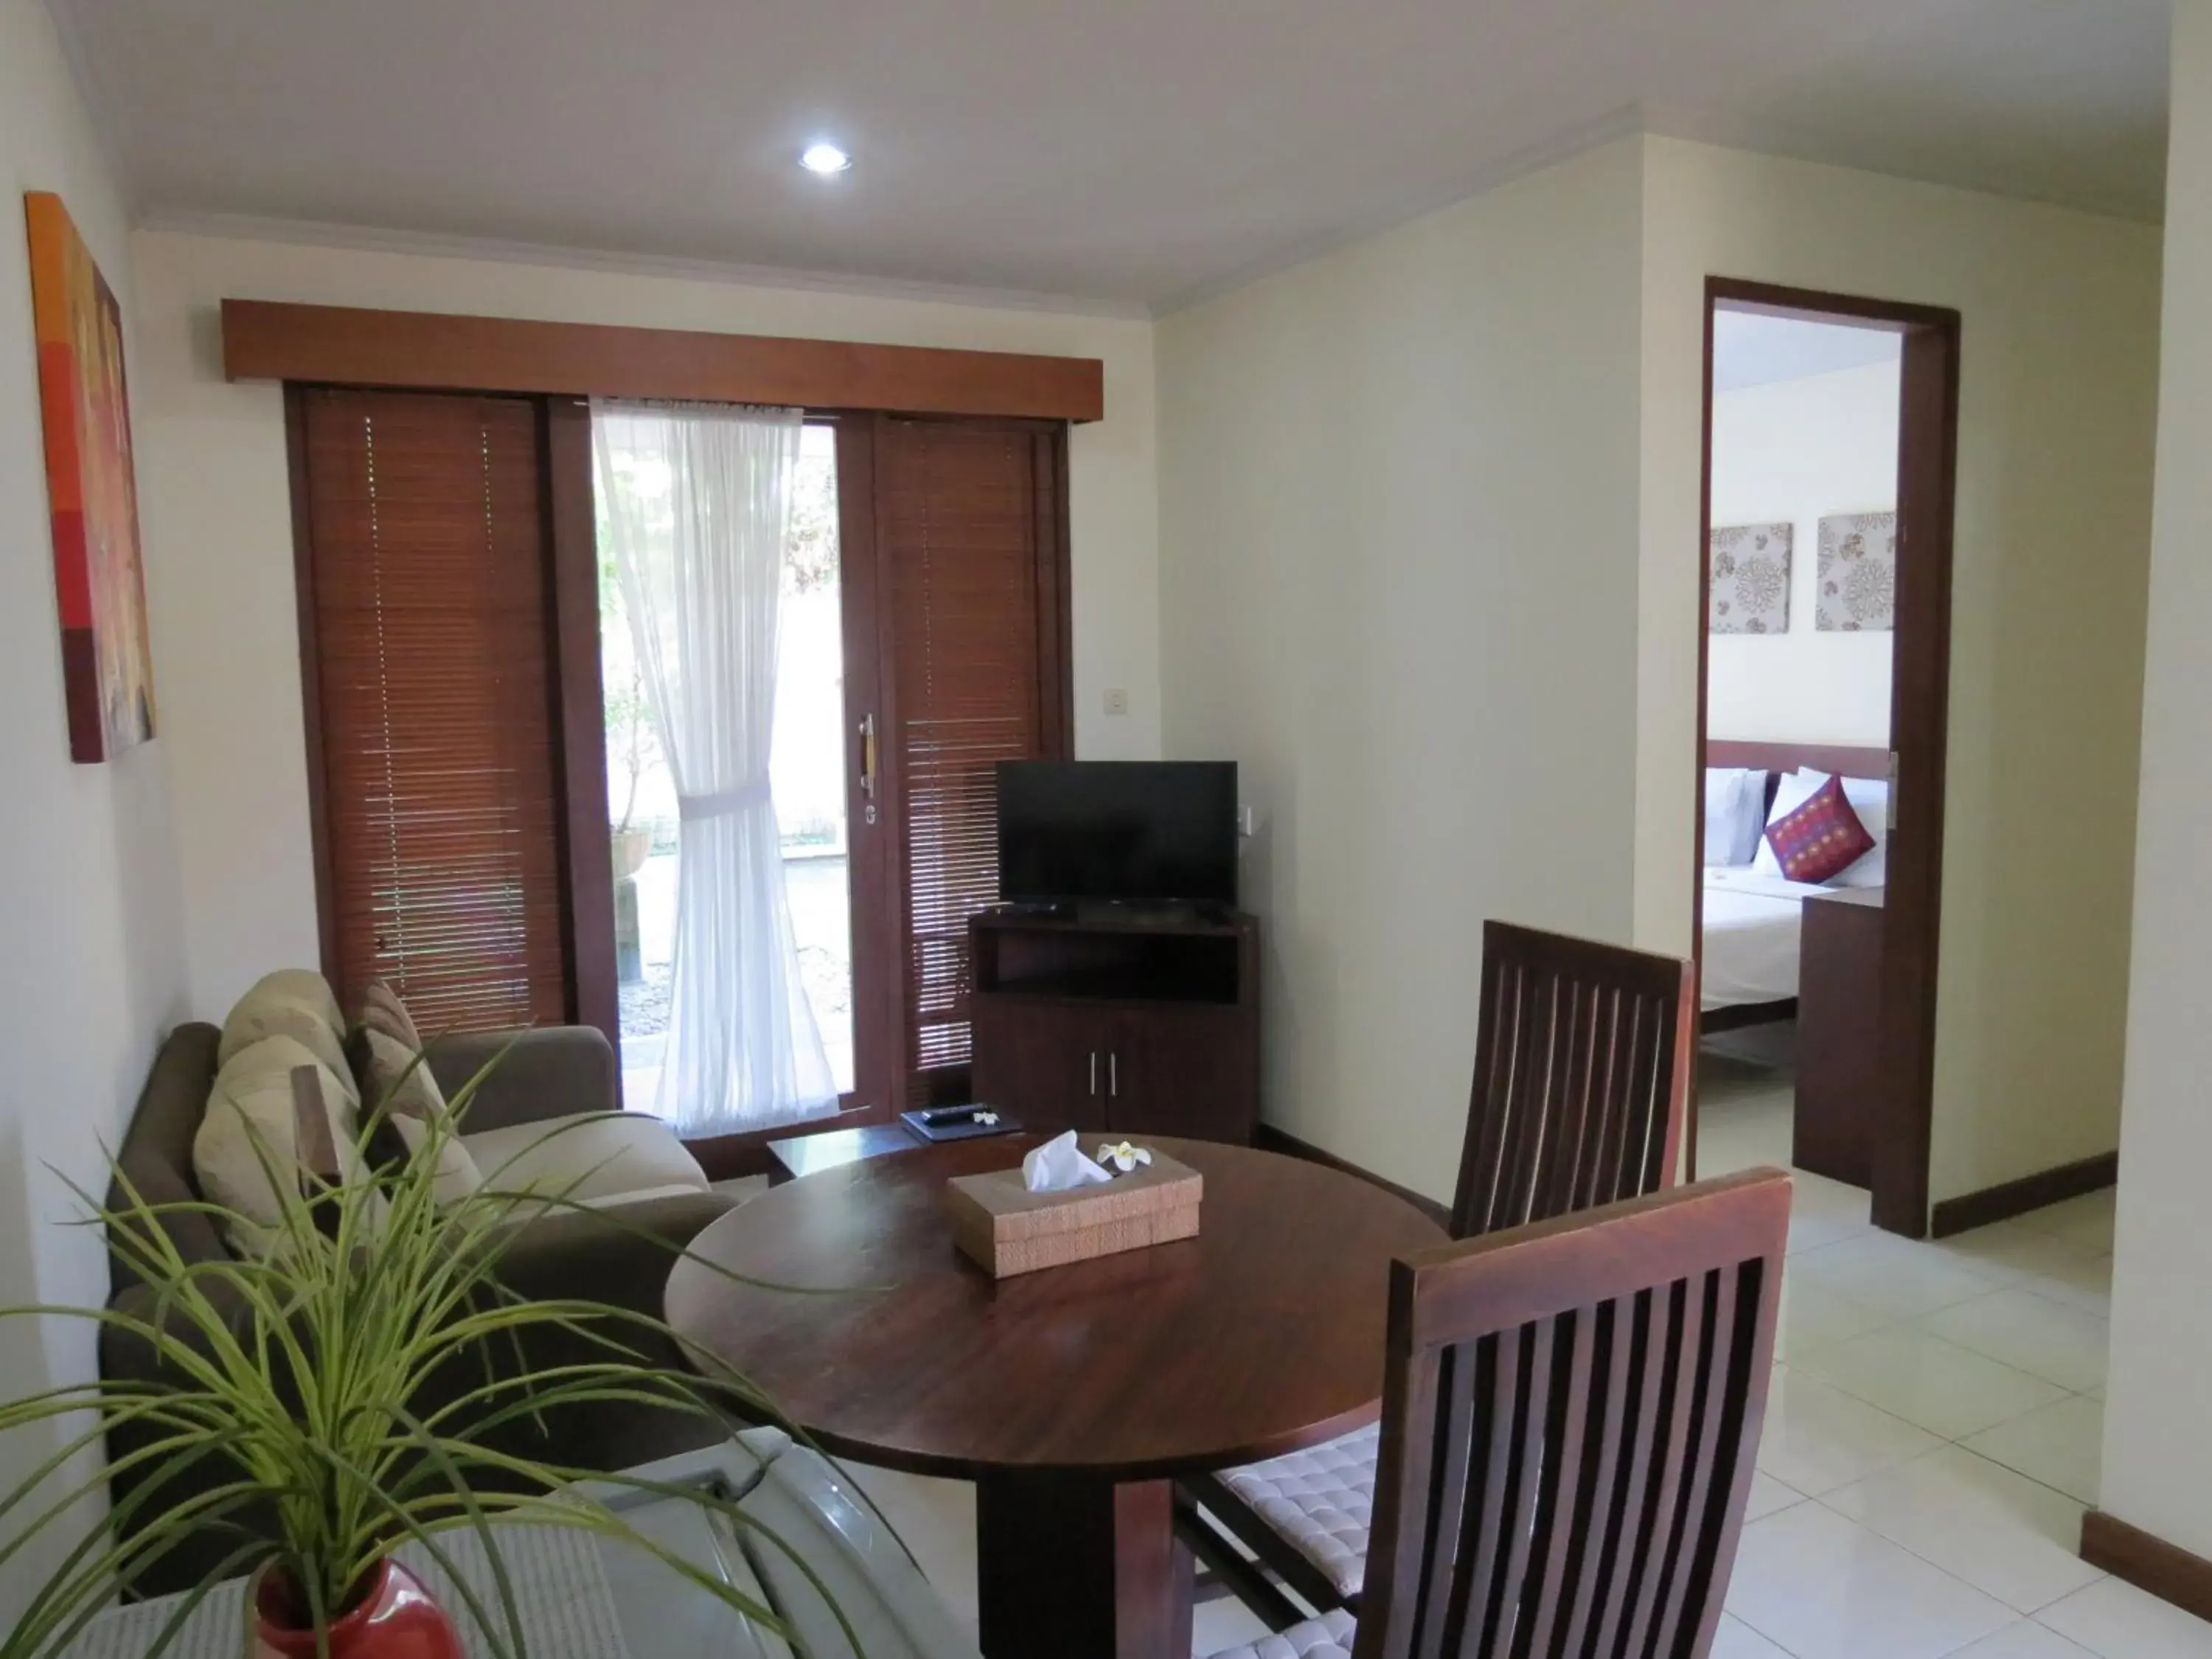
(824,159)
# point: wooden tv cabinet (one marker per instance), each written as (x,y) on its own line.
(1125,1023)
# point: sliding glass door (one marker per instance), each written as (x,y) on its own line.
(809,785)
(481,692)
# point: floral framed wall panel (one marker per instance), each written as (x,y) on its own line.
(1750,579)
(1858,575)
(92,494)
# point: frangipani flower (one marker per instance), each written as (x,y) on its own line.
(1124,1155)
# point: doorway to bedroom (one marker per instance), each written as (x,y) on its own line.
(1830,438)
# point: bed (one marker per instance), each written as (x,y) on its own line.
(1751,918)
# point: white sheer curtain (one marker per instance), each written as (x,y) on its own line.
(694,503)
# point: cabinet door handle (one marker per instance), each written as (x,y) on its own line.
(1094,1071)
(1113,1073)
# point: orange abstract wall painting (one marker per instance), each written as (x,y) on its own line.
(107,669)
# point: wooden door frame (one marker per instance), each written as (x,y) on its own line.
(875,1001)
(1927,494)
(580,715)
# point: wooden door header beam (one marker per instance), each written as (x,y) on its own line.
(337,346)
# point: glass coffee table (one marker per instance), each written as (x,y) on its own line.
(588,1598)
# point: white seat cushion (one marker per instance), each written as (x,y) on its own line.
(1328,1637)
(1320,1500)
(605,1156)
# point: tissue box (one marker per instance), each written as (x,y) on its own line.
(1007,1229)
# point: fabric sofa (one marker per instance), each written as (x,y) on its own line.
(542,1076)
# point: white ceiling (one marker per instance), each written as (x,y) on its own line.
(1120,150)
(1750,349)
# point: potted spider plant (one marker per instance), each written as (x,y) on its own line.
(299,1374)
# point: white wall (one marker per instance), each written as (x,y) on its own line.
(1398,585)
(92,970)
(1391,569)
(215,491)
(1795,452)
(2157,1453)
(2059,401)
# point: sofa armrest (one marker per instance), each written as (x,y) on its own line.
(149,1489)
(556,1071)
(128,1356)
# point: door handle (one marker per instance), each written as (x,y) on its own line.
(868,766)
(1094,1071)
(1113,1073)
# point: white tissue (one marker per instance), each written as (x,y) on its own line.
(1060,1166)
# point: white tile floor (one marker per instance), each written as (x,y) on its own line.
(1931,1440)
(1934,1431)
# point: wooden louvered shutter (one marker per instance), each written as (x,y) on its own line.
(431,704)
(966,522)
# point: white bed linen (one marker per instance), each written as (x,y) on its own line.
(1751,928)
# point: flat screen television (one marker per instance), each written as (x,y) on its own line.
(1130,832)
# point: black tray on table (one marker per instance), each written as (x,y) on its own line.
(958,1122)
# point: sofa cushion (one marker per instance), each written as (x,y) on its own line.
(295,1003)
(251,1131)
(400,1081)
(394,1076)
(605,1156)
(381,1010)
(455,1176)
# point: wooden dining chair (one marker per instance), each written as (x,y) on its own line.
(1571,1417)
(1581,1078)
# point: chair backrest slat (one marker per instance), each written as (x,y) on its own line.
(1570,1421)
(1582,1074)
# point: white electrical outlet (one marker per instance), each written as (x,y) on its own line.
(1117,702)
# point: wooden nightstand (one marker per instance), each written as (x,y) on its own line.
(1838,1034)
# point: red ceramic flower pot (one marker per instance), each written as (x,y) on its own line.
(395,1619)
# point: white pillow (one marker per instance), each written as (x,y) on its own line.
(1734,796)
(396,1079)
(1869,798)
(293,1002)
(249,1131)
(456,1177)
(1754,813)
(1723,813)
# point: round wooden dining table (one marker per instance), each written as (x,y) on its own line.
(1072,1396)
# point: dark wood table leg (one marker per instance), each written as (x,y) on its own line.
(1070,1567)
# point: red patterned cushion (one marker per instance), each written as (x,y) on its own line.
(1822,838)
